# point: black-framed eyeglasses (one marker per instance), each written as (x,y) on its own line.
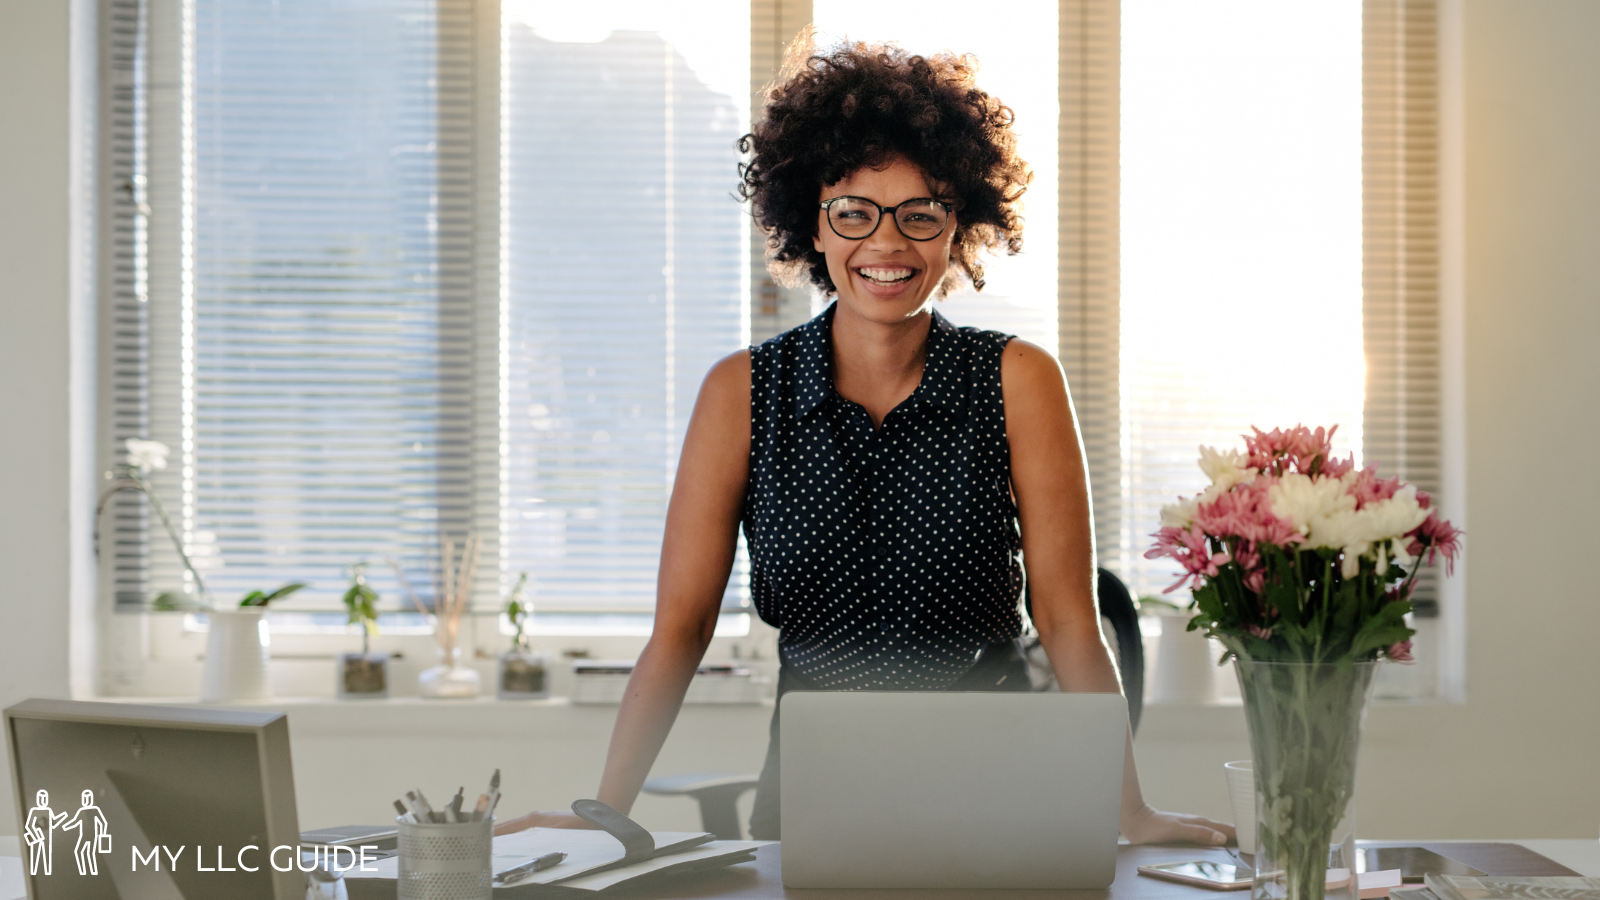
(856,218)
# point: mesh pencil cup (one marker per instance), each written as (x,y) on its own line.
(445,861)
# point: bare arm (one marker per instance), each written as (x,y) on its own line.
(1052,489)
(696,556)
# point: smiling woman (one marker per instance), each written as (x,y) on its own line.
(887,468)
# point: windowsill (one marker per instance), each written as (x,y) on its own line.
(487,716)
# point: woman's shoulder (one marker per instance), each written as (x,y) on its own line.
(730,374)
(1028,368)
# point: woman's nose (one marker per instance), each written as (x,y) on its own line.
(887,235)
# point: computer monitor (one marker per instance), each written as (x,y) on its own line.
(162,802)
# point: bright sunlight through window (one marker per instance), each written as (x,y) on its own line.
(1241,237)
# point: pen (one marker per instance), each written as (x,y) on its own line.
(455,805)
(494,794)
(424,808)
(528,868)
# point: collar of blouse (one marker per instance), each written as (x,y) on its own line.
(943,383)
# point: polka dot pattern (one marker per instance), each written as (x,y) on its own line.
(886,558)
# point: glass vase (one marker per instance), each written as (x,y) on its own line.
(449,680)
(1305,723)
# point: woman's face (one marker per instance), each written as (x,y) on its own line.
(885,277)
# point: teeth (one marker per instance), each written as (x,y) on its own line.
(885,275)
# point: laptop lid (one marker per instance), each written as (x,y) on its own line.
(951,790)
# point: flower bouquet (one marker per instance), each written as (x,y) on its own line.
(1302,566)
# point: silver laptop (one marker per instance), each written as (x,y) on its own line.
(951,790)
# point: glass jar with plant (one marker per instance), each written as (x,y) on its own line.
(522,671)
(363,675)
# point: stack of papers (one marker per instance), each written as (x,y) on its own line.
(595,859)
(1513,887)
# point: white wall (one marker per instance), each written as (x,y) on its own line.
(46,354)
(1518,758)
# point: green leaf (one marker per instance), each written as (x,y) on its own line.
(172,601)
(257,598)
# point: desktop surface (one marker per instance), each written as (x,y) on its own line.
(762,880)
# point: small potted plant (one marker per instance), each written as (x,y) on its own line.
(522,671)
(236,648)
(364,674)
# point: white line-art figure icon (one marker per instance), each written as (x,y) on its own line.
(93,838)
(39,832)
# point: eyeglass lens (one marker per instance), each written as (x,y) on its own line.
(855,217)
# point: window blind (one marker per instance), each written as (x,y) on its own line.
(1253,289)
(395,272)
(626,262)
(1400,248)
(1087,252)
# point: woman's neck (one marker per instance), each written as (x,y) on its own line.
(879,364)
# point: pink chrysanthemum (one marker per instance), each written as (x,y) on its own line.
(1438,537)
(1187,546)
(1245,512)
(1293,450)
(1369,488)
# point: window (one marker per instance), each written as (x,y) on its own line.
(401,274)
(1217,269)
(390,271)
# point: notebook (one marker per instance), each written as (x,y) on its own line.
(951,790)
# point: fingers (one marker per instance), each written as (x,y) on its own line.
(1163,828)
(508,826)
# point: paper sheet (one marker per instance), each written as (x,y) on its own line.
(701,856)
(585,849)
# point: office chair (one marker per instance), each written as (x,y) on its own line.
(718,793)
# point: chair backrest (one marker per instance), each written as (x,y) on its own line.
(1117,607)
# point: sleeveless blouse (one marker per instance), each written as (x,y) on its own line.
(886,558)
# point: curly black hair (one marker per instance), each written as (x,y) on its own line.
(861,105)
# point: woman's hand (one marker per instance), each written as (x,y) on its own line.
(1152,826)
(544,818)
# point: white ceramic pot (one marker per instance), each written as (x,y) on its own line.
(1185,665)
(236,655)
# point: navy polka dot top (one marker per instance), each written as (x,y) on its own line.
(888,558)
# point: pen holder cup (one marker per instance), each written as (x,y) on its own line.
(445,861)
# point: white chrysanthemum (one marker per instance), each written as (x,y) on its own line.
(1307,501)
(1371,532)
(1224,468)
(1180,514)
(146,456)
